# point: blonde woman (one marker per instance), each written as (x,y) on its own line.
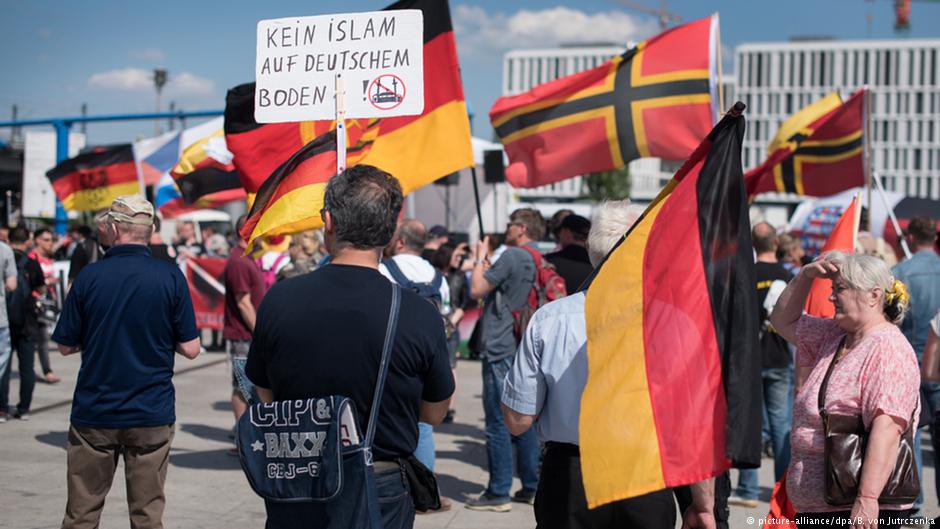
(875,376)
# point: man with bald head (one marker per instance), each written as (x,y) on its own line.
(407,268)
(777,362)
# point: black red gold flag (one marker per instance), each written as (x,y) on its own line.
(92,180)
(673,391)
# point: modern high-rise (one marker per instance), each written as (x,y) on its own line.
(776,80)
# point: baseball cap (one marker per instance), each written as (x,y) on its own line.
(130,209)
(438,231)
(577,224)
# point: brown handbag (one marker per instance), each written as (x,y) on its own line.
(846,441)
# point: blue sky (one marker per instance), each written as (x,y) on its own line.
(55,55)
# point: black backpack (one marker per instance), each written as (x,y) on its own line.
(429,291)
(21,305)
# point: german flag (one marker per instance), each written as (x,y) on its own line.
(290,200)
(819,151)
(415,149)
(673,391)
(92,180)
(205,168)
(654,100)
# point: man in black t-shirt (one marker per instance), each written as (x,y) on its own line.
(571,261)
(776,361)
(322,333)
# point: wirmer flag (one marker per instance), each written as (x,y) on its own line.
(842,238)
(673,391)
(817,152)
(657,99)
(93,179)
(415,149)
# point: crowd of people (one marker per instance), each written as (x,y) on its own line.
(877,361)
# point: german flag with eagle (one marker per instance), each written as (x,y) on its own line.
(657,99)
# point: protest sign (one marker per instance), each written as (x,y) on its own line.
(205,276)
(378,55)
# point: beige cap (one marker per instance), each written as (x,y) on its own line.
(130,209)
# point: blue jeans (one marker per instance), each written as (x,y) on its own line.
(5,351)
(24,341)
(930,399)
(395,503)
(425,449)
(499,441)
(777,386)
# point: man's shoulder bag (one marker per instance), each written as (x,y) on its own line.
(310,450)
(846,441)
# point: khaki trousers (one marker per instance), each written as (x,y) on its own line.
(92,459)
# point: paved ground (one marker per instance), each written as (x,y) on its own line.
(206,488)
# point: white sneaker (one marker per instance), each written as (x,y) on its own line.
(741,502)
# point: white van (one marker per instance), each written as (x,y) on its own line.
(220,220)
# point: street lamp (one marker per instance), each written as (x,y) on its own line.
(159,80)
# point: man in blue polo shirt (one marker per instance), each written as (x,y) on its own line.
(127,314)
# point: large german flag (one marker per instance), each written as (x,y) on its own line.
(415,149)
(817,152)
(654,100)
(290,200)
(673,391)
(92,180)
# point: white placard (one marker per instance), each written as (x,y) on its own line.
(38,198)
(379,55)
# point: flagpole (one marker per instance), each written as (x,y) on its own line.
(340,124)
(140,172)
(894,218)
(721,92)
(867,158)
(476,197)
(856,222)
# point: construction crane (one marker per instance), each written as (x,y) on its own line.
(665,16)
(902,15)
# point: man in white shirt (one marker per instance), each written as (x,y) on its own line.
(407,268)
(543,389)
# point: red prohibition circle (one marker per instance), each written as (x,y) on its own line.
(383,92)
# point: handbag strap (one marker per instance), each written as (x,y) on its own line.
(825,384)
(383,369)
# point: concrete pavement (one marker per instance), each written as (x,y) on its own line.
(205,485)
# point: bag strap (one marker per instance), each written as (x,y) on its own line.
(825,384)
(395,271)
(383,370)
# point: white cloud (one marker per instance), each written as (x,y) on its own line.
(147,54)
(480,33)
(123,79)
(190,84)
(137,79)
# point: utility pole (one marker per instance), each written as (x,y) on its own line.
(14,130)
(84,127)
(159,81)
(172,121)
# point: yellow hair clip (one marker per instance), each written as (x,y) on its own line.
(898,292)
